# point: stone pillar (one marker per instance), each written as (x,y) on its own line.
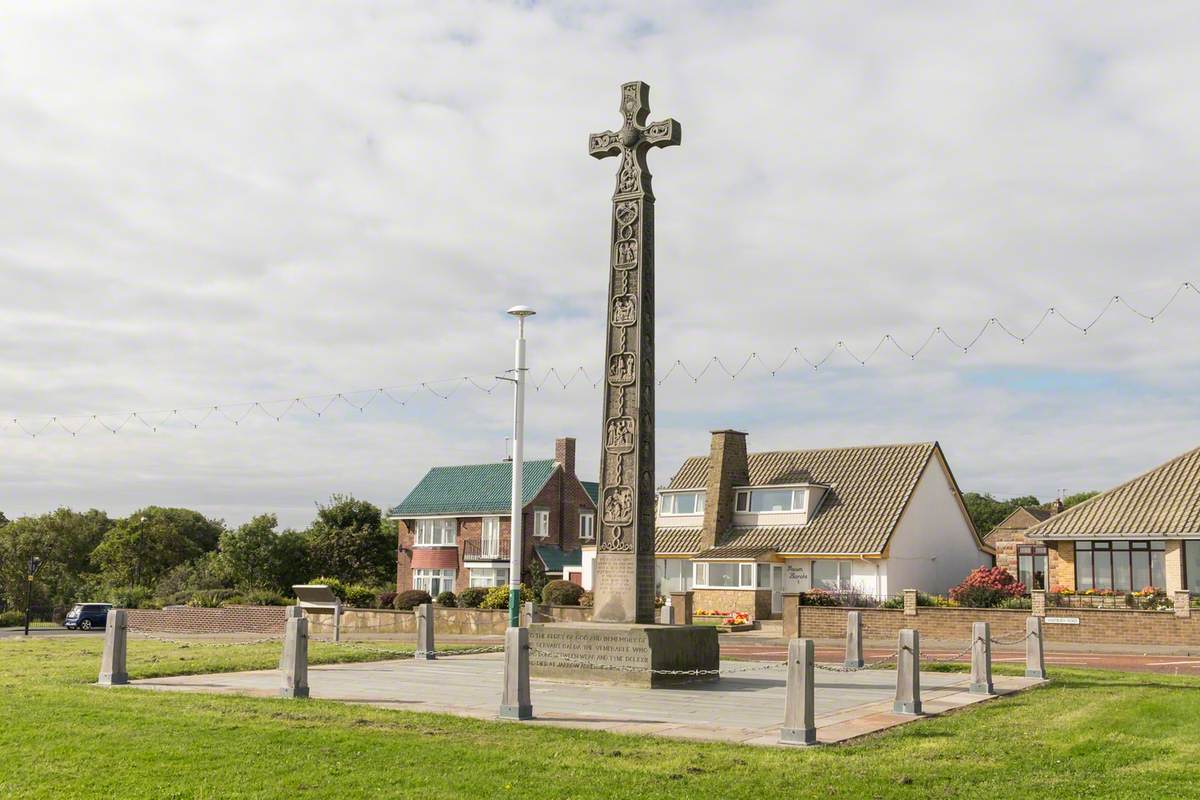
(854,641)
(515,702)
(791,615)
(667,616)
(684,606)
(527,614)
(1035,654)
(295,658)
(910,602)
(799,706)
(290,613)
(425,646)
(981,659)
(908,673)
(1183,604)
(112,662)
(1173,562)
(1037,601)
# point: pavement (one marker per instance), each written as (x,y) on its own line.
(745,706)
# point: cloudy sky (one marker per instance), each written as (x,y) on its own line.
(208,203)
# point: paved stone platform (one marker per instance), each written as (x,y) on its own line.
(745,707)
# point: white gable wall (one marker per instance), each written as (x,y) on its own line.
(933,547)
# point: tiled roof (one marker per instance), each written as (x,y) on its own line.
(869,490)
(676,540)
(1162,502)
(593,490)
(1023,518)
(733,551)
(473,489)
(556,559)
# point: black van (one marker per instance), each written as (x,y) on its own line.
(86,616)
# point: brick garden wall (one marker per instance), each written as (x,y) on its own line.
(229,619)
(1096,626)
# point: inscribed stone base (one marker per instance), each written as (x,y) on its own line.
(622,654)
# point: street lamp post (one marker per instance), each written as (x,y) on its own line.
(518,468)
(35,564)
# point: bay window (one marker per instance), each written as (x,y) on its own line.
(724,575)
(1031,566)
(434,581)
(672,575)
(489,577)
(432,532)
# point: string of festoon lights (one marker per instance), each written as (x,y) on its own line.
(318,405)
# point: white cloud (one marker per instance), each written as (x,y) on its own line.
(257,200)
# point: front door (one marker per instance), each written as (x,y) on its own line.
(777,588)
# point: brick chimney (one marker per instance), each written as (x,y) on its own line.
(564,453)
(726,469)
(1057,506)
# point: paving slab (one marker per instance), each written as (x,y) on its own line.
(744,707)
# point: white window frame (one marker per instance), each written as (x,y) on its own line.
(746,574)
(587,526)
(424,579)
(489,533)
(436,532)
(669,500)
(488,577)
(744,500)
(541,523)
(845,583)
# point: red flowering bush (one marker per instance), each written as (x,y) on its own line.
(987,587)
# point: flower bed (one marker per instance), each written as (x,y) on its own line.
(1149,598)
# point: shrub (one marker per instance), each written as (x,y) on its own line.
(586,600)
(561,593)
(11,619)
(987,587)
(337,587)
(818,597)
(1016,602)
(264,597)
(131,598)
(386,600)
(359,596)
(893,602)
(446,600)
(472,596)
(214,598)
(407,601)
(497,597)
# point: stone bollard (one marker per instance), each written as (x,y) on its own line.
(527,614)
(908,673)
(425,648)
(295,658)
(667,615)
(683,604)
(291,612)
(1035,654)
(981,659)
(1182,601)
(910,602)
(854,641)
(1037,602)
(112,663)
(514,701)
(798,725)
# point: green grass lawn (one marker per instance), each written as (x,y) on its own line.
(1091,734)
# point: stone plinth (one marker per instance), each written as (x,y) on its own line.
(621,654)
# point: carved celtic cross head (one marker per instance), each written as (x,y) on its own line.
(633,139)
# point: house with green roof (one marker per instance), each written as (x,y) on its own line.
(742,529)
(454,527)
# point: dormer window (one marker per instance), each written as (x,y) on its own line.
(682,503)
(770,501)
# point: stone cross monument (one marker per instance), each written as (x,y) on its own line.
(624,585)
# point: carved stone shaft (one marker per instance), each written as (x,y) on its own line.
(624,584)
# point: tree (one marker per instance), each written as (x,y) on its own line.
(143,547)
(3,519)
(349,541)
(64,541)
(256,557)
(987,512)
(1077,498)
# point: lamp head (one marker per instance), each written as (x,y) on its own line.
(521,311)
